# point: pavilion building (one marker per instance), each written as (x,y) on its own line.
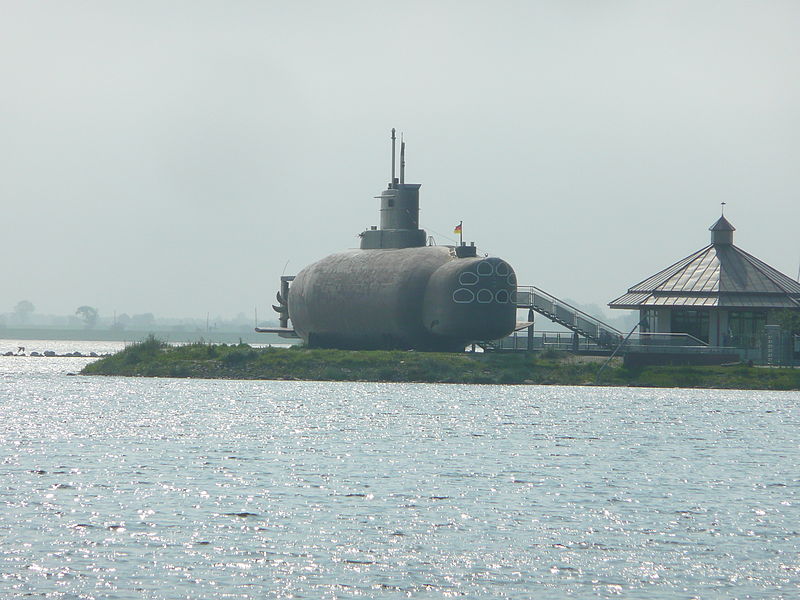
(720,294)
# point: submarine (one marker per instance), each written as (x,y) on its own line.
(397,292)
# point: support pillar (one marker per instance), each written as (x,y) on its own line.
(530,330)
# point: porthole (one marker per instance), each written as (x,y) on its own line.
(485,268)
(512,279)
(501,268)
(502,296)
(463,296)
(467,278)
(485,296)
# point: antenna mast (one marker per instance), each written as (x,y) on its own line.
(393,159)
(402,160)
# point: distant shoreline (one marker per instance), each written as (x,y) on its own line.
(125,335)
(154,358)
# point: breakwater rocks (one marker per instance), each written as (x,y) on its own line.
(154,358)
(52,354)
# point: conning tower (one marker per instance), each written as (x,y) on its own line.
(399,212)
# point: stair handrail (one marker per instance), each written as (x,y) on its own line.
(577,311)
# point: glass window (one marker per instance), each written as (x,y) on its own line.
(745,327)
(649,322)
(693,322)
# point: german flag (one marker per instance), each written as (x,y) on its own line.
(457,229)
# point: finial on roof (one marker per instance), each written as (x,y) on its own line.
(723,208)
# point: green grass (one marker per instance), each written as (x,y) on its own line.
(154,358)
(738,377)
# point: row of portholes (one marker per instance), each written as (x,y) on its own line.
(470,278)
(483,296)
(500,268)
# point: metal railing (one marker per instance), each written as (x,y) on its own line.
(671,340)
(680,343)
(547,340)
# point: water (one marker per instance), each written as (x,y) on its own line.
(164,489)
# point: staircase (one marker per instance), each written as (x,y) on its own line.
(572,318)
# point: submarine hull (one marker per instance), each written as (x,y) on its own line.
(425,298)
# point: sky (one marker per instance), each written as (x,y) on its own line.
(178,157)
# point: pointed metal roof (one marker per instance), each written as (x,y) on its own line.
(722,224)
(718,275)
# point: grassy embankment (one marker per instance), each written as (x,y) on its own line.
(153,358)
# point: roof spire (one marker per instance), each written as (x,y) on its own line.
(723,208)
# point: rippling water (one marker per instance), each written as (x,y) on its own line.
(161,488)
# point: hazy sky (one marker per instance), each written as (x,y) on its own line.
(171,157)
